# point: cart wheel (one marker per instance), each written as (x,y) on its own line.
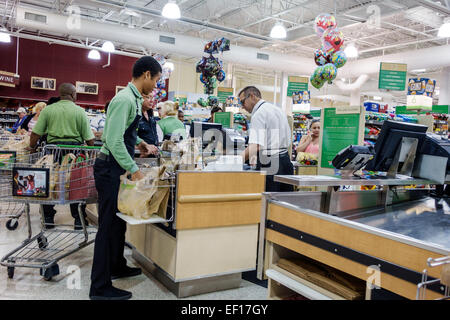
(12,224)
(49,273)
(42,242)
(10,272)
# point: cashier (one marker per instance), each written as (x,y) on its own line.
(269,139)
(115,159)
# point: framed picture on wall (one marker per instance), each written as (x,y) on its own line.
(43,83)
(118,88)
(86,87)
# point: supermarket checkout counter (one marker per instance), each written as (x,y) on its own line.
(359,232)
(212,237)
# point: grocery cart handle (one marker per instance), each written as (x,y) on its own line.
(219,198)
(77,147)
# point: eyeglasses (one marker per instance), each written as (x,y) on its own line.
(243,100)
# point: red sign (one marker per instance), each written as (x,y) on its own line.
(8,79)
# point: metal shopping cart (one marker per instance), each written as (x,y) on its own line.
(56,175)
(8,209)
(445,287)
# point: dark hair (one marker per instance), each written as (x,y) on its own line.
(145,64)
(216,109)
(250,90)
(106,106)
(180,111)
(53,100)
(312,122)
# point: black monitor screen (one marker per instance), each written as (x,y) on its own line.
(207,131)
(390,140)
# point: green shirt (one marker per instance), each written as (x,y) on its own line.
(122,111)
(172,125)
(64,121)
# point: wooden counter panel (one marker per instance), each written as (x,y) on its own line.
(393,251)
(217,214)
(393,284)
(212,251)
(161,248)
(204,183)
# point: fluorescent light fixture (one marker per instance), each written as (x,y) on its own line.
(130,12)
(108,46)
(419,71)
(278,31)
(377,98)
(4,37)
(171,10)
(94,54)
(444,30)
(169,65)
(351,51)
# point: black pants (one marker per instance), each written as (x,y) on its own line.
(284,167)
(110,239)
(49,210)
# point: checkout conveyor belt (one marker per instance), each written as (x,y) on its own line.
(426,220)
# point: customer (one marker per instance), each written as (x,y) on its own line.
(115,158)
(181,115)
(310,142)
(32,119)
(53,100)
(214,110)
(98,123)
(22,117)
(269,139)
(147,126)
(64,123)
(169,123)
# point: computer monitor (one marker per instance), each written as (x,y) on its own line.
(206,131)
(390,140)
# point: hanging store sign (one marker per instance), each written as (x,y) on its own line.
(392,76)
(224,93)
(296,84)
(8,79)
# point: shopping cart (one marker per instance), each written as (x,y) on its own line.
(9,210)
(422,287)
(56,181)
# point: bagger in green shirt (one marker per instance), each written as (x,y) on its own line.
(172,125)
(122,111)
(64,121)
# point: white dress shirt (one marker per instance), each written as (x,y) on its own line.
(269,128)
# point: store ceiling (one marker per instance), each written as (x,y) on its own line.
(376,27)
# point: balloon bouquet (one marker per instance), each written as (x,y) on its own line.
(329,57)
(160,92)
(211,68)
(211,102)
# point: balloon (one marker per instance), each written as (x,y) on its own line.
(316,78)
(324,22)
(339,59)
(321,58)
(333,39)
(221,76)
(329,72)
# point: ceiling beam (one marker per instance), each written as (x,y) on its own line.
(434,6)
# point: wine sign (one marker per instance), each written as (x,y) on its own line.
(8,79)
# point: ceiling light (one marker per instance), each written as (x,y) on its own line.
(130,12)
(419,71)
(4,37)
(444,31)
(377,98)
(351,51)
(108,46)
(278,31)
(171,10)
(169,65)
(94,54)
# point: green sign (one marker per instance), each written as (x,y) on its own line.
(436,109)
(297,84)
(339,132)
(224,118)
(224,93)
(393,76)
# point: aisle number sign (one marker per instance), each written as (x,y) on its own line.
(296,84)
(392,76)
(223,93)
(339,132)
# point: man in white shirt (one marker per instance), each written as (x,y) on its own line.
(269,139)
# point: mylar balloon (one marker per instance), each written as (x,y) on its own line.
(339,59)
(333,39)
(329,72)
(324,22)
(321,58)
